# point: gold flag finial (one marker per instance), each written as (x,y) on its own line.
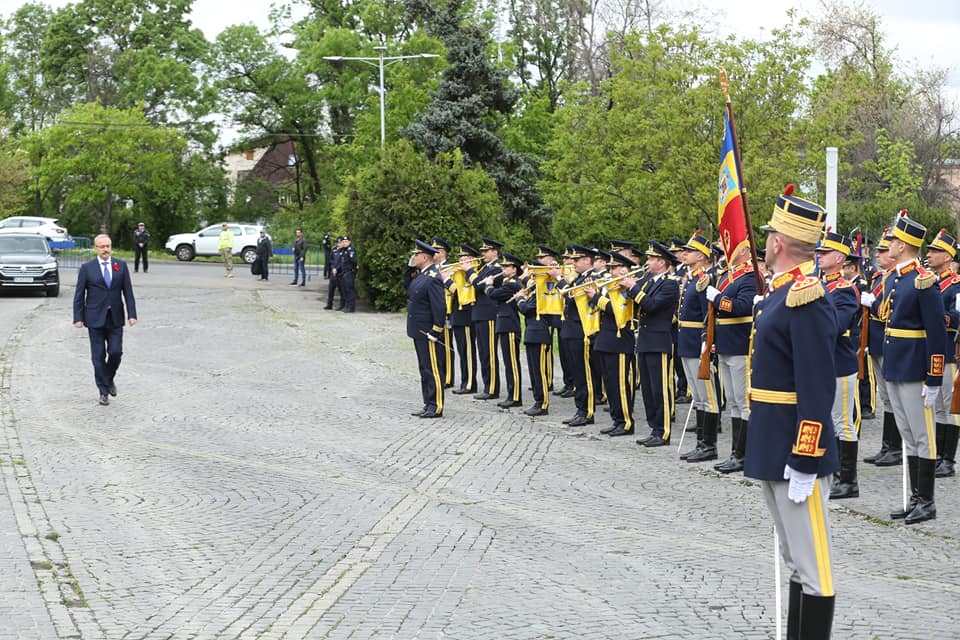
(724,83)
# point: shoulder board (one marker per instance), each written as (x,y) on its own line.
(702,283)
(804,291)
(431,273)
(925,279)
(843,283)
(673,276)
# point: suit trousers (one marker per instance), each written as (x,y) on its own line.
(430,364)
(538,358)
(487,354)
(106,350)
(466,341)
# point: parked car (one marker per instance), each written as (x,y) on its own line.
(187,246)
(26,262)
(47,227)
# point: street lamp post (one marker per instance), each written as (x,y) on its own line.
(381,61)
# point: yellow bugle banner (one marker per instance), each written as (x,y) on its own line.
(549,300)
(466,294)
(622,306)
(589,316)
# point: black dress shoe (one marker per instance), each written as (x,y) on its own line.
(945,469)
(340,308)
(730,465)
(570,419)
(461,391)
(293,284)
(113,388)
(892,458)
(561,391)
(104,400)
(703,455)
(925,510)
(642,441)
(608,429)
(687,454)
(431,414)
(569,393)
(656,441)
(535,411)
(873,459)
(417,414)
(580,421)
(868,415)
(506,404)
(683,399)
(485,396)
(620,431)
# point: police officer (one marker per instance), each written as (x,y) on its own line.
(327,255)
(832,252)
(334,284)
(913,363)
(141,239)
(791,445)
(485,318)
(656,297)
(695,255)
(347,272)
(940,254)
(425,317)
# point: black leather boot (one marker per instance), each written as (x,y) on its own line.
(847,485)
(926,509)
(740,453)
(884,439)
(816,617)
(711,422)
(946,467)
(894,455)
(913,467)
(735,429)
(687,454)
(793,611)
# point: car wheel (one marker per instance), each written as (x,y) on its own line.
(54,291)
(249,255)
(184,253)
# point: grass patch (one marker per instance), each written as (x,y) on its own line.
(41,564)
(53,535)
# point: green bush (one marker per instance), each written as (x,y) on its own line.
(404,197)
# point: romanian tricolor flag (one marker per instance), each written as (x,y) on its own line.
(731,222)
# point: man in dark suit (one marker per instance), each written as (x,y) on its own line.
(103,285)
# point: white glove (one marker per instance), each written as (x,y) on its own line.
(867,299)
(703,347)
(930,395)
(801,484)
(431,337)
(756,300)
(712,293)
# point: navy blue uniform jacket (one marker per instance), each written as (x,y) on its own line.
(485,309)
(845,299)
(792,383)
(657,302)
(916,332)
(734,311)
(426,305)
(508,320)
(535,331)
(693,314)
(92,298)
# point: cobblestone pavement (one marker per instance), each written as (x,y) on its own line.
(259,476)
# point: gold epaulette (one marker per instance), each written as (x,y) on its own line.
(844,283)
(805,291)
(702,283)
(673,276)
(925,279)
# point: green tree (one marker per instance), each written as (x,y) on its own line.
(406,196)
(14,173)
(98,163)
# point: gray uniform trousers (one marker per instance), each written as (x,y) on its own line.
(846,403)
(915,421)
(704,393)
(733,372)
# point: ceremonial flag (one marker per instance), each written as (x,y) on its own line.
(731,223)
(549,301)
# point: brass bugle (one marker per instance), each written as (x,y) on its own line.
(453,266)
(599,284)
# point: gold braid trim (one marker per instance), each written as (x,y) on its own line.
(925,280)
(804,292)
(702,283)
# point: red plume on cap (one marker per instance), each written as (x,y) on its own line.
(698,232)
(788,190)
(903,213)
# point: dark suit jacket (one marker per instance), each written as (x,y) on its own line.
(92,298)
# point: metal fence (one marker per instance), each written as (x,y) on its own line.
(72,253)
(282,261)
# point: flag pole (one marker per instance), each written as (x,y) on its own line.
(725,86)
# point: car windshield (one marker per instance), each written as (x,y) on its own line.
(33,245)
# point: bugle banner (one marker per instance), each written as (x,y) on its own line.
(589,316)
(549,300)
(466,294)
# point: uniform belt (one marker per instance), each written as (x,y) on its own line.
(691,324)
(773,397)
(906,333)
(740,320)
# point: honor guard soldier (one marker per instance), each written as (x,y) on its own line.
(791,448)
(537,340)
(485,319)
(548,257)
(615,343)
(913,363)
(656,298)
(461,319)
(832,252)
(690,346)
(853,270)
(877,300)
(940,253)
(426,311)
(682,386)
(507,327)
(732,301)
(573,337)
(440,259)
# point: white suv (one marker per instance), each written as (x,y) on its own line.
(47,227)
(187,246)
